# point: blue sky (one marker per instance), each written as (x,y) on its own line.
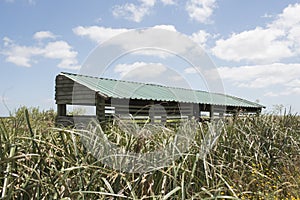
(255,45)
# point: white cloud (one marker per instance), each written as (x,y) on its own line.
(258,45)
(294,83)
(266,15)
(264,76)
(40,35)
(273,77)
(20,55)
(132,11)
(7,41)
(140,70)
(63,51)
(58,50)
(28,1)
(190,70)
(259,76)
(288,18)
(25,55)
(276,41)
(168,2)
(286,92)
(148,2)
(294,37)
(98,33)
(200,10)
(132,39)
(166,27)
(200,37)
(137,12)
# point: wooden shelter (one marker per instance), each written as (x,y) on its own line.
(140,100)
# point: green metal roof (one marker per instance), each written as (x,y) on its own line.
(144,91)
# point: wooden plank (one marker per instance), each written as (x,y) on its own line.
(76,102)
(100,108)
(61,109)
(70,85)
(77,92)
(75,97)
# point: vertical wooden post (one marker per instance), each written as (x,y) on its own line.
(258,112)
(196,111)
(100,108)
(61,109)
(152,112)
(221,114)
(211,112)
(164,116)
(221,110)
(235,114)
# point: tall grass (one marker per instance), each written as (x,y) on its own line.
(250,158)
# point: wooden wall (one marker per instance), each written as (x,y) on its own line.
(146,108)
(68,92)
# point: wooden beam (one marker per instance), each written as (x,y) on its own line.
(211,112)
(100,108)
(221,114)
(152,113)
(61,110)
(196,111)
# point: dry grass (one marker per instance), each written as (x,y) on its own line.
(250,158)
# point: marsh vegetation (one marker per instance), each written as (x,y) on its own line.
(251,158)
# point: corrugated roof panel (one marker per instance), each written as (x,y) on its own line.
(134,90)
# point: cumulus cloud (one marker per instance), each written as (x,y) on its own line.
(98,33)
(134,12)
(61,50)
(267,76)
(278,40)
(40,35)
(137,12)
(7,41)
(166,27)
(261,76)
(288,18)
(286,92)
(18,54)
(200,37)
(200,10)
(141,70)
(25,56)
(132,39)
(258,45)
